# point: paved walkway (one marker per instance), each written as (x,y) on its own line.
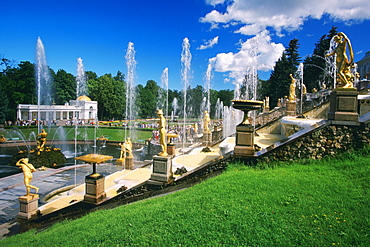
(49,181)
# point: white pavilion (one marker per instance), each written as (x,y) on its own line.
(83,108)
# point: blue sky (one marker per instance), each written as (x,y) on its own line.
(221,30)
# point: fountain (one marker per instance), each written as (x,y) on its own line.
(42,80)
(175,107)
(207,86)
(162,103)
(80,79)
(245,130)
(343,99)
(131,111)
(185,72)
(94,183)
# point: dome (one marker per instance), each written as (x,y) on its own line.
(83,98)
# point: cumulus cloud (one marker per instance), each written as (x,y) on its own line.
(258,51)
(214,2)
(208,44)
(257,15)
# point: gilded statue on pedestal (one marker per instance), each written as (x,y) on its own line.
(292,89)
(28,169)
(162,133)
(344,76)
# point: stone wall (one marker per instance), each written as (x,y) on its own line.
(326,141)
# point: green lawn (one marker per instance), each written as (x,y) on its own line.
(314,203)
(89,133)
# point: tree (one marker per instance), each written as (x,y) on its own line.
(4,103)
(147,99)
(226,96)
(65,87)
(108,92)
(315,70)
(20,87)
(278,84)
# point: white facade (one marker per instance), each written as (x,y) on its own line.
(83,108)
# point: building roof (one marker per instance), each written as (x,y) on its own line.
(83,98)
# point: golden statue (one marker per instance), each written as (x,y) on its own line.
(292,89)
(2,138)
(126,149)
(28,169)
(162,133)
(345,77)
(206,121)
(41,141)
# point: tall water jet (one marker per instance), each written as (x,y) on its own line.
(175,105)
(130,87)
(301,85)
(207,84)
(43,88)
(185,73)
(219,109)
(163,96)
(80,79)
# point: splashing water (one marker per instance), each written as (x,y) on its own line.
(80,79)
(130,86)
(163,96)
(300,76)
(42,79)
(207,83)
(185,72)
(175,106)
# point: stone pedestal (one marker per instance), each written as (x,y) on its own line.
(291,108)
(129,163)
(162,170)
(171,149)
(244,145)
(120,162)
(94,189)
(207,139)
(343,105)
(28,206)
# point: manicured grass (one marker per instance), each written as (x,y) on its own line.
(89,133)
(312,203)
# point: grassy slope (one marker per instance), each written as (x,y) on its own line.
(321,203)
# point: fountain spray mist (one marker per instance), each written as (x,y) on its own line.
(80,79)
(162,102)
(185,72)
(42,79)
(207,84)
(130,87)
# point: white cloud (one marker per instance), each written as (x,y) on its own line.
(257,15)
(214,2)
(258,51)
(208,44)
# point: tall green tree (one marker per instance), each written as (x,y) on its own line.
(108,92)
(226,96)
(4,102)
(147,99)
(315,69)
(65,87)
(278,84)
(20,87)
